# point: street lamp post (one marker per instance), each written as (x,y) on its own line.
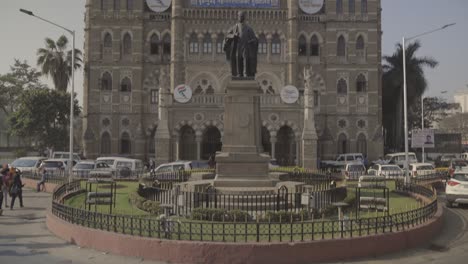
(405,99)
(72,32)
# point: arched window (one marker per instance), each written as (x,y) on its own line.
(276,44)
(341,47)
(361,144)
(314,46)
(105,143)
(125,144)
(207,44)
(342,87)
(116,5)
(187,143)
(209,90)
(364,7)
(126,85)
(106,82)
(342,144)
(167,44)
(262,44)
(302,46)
(339,6)
(361,84)
(193,43)
(154,44)
(129,5)
(127,44)
(351,7)
(107,40)
(360,43)
(219,44)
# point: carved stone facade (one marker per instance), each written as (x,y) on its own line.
(135,57)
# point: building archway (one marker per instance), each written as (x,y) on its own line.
(361,144)
(211,142)
(266,143)
(125,144)
(342,144)
(286,146)
(188,144)
(105,144)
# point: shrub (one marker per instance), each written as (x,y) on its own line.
(143,204)
(217,214)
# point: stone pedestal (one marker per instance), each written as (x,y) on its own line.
(240,163)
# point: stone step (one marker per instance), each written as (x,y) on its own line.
(247,190)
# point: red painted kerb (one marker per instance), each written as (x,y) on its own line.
(213,252)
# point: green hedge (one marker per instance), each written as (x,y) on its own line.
(143,204)
(217,214)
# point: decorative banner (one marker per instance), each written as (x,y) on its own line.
(182,93)
(236,3)
(289,94)
(311,6)
(158,6)
(422,138)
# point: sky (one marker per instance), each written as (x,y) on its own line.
(22,35)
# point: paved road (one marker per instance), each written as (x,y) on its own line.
(24,238)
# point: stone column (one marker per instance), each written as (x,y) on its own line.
(198,140)
(273,141)
(309,133)
(292,42)
(139,151)
(163,136)
(177,146)
(177,44)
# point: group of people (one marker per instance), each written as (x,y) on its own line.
(11,184)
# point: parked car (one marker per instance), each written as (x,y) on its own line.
(464,156)
(386,170)
(354,170)
(124,167)
(420,169)
(84,168)
(399,158)
(181,165)
(28,165)
(342,159)
(273,164)
(56,167)
(456,189)
(65,155)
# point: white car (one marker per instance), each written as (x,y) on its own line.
(456,189)
(354,170)
(385,170)
(399,158)
(84,168)
(421,169)
(28,165)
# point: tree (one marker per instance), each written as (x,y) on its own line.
(435,110)
(392,82)
(21,77)
(55,61)
(43,115)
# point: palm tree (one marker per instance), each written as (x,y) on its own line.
(55,61)
(392,82)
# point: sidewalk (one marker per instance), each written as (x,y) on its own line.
(24,237)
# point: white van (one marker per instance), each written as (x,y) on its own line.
(399,158)
(123,167)
(464,156)
(65,155)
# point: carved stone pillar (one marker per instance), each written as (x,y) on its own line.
(273,141)
(198,140)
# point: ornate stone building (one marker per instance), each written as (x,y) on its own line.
(134,57)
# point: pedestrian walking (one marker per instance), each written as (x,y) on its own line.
(42,172)
(16,189)
(5,182)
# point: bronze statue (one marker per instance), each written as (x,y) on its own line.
(241,47)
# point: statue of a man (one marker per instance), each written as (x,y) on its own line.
(241,47)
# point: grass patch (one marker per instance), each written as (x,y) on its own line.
(123,205)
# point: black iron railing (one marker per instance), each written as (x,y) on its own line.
(245,231)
